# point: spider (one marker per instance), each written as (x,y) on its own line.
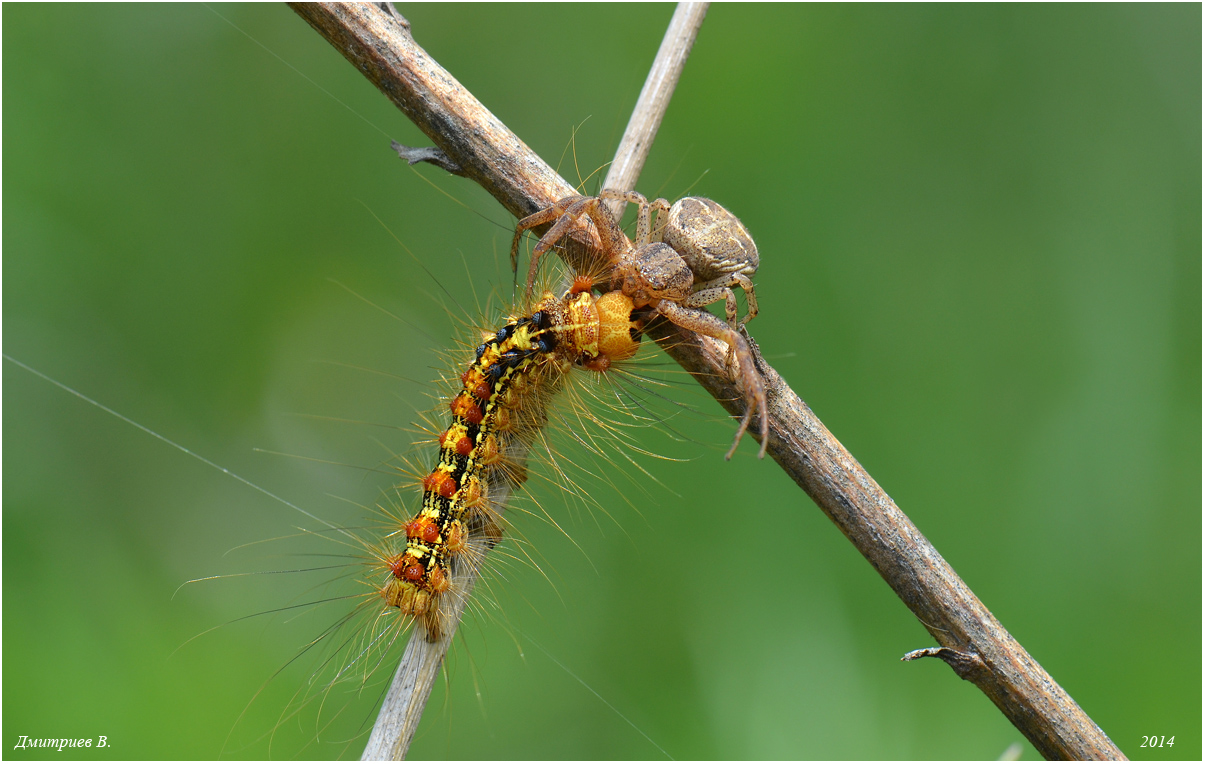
(695,259)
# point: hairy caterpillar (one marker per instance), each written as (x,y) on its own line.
(499,408)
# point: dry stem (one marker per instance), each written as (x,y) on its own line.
(654,98)
(976,645)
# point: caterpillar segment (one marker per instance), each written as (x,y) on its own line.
(500,406)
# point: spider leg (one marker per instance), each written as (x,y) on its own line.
(546,215)
(610,235)
(721,287)
(709,294)
(702,322)
(643,226)
(566,213)
(659,208)
(571,217)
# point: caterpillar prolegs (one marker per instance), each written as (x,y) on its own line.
(496,414)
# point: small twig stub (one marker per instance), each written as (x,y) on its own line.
(414,155)
(967,665)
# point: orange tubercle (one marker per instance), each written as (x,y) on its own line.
(581,283)
(502,421)
(487,451)
(456,538)
(473,493)
(423,528)
(464,407)
(441,483)
(438,580)
(406,568)
(414,571)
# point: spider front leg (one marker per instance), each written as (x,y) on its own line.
(567,213)
(702,322)
(558,212)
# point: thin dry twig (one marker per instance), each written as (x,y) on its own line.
(654,98)
(986,654)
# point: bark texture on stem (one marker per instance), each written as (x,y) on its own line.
(491,155)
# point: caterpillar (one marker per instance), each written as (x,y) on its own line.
(501,401)
(499,409)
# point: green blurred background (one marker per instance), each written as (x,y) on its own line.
(981,240)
